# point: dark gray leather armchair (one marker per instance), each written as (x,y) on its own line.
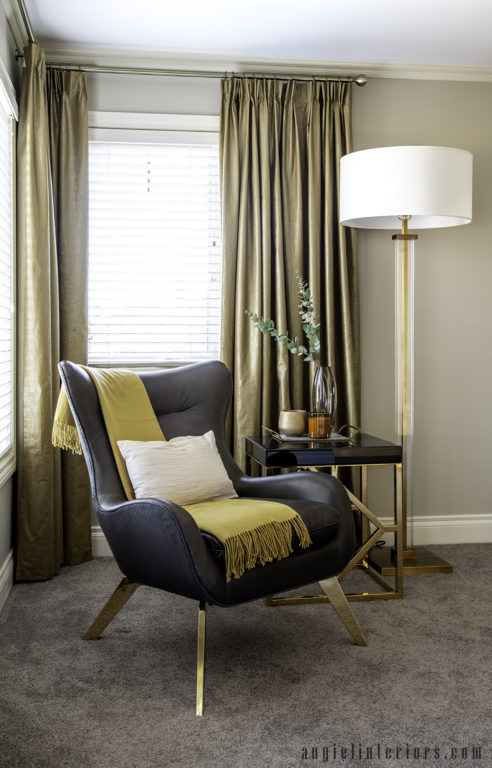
(157,543)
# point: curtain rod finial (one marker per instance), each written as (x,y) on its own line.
(360,80)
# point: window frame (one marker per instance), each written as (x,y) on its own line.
(143,127)
(8,460)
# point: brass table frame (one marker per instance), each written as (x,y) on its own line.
(361,558)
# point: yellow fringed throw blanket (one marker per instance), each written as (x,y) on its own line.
(252,530)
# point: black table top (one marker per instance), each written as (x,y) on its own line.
(360,449)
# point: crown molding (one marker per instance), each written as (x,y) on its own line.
(16,23)
(412,71)
(79,55)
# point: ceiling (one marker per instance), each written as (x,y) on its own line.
(446,33)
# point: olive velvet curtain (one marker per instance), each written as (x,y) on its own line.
(280,147)
(53,502)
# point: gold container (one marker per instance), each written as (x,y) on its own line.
(319,424)
(292,422)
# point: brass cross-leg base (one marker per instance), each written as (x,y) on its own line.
(120,596)
(200,658)
(333,591)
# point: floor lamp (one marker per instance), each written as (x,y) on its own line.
(421,187)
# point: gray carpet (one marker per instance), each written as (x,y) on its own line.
(280,683)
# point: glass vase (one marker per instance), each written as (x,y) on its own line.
(323,403)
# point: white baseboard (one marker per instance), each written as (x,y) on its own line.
(100,546)
(438,529)
(6,577)
(449,529)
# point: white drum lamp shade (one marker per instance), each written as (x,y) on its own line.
(432,185)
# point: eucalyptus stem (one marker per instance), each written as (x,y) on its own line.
(310,326)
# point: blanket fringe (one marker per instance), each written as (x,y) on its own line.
(268,542)
(66,436)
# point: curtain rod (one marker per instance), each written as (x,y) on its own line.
(357,79)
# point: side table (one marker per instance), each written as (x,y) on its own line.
(362,451)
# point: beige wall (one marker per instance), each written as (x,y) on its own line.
(150,93)
(7,48)
(453,281)
(453,314)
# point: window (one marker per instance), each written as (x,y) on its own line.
(8,114)
(154,243)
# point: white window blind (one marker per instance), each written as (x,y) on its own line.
(7,362)
(154,252)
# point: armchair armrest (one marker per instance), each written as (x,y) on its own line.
(158,543)
(313,486)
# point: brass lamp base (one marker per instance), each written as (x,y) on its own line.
(421,561)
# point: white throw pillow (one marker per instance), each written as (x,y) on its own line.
(185,470)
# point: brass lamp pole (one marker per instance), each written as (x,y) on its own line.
(404,343)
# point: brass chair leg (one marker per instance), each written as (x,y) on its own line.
(200,657)
(333,591)
(120,596)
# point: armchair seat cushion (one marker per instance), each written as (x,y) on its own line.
(321,520)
